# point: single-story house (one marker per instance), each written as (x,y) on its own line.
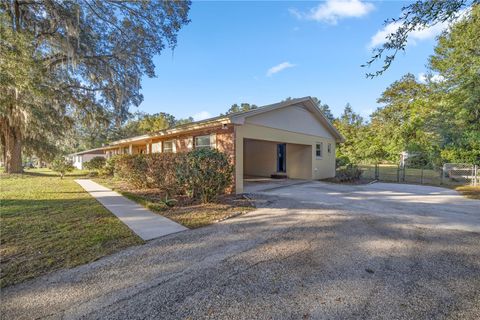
(291,138)
(79,158)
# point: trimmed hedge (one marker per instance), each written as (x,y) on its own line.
(205,174)
(132,168)
(163,171)
(201,174)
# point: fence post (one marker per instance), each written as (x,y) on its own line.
(398,173)
(475,176)
(441,174)
(421,177)
(472,180)
(403,173)
(377,175)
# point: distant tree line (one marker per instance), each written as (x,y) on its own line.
(437,118)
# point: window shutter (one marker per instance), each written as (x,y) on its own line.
(213,140)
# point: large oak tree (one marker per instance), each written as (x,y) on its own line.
(75,60)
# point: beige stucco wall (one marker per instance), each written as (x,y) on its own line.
(292,118)
(320,168)
(299,161)
(259,158)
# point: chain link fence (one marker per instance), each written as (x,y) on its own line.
(452,174)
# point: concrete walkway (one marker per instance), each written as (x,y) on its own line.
(146,224)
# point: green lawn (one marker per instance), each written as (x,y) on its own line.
(48,223)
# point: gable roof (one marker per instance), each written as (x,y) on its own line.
(307,102)
(239,118)
(90,151)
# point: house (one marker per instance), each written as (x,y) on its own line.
(288,139)
(79,158)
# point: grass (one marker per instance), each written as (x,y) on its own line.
(48,223)
(469,191)
(189,213)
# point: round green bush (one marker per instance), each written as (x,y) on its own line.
(61,165)
(206,173)
(96,163)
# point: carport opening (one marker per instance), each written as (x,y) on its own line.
(265,160)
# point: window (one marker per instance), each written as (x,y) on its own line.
(202,142)
(319,150)
(156,147)
(329,148)
(168,146)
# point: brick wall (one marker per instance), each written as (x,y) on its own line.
(224,139)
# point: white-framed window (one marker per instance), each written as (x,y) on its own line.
(168,146)
(156,147)
(319,150)
(329,148)
(203,141)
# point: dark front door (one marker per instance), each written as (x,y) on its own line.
(281,157)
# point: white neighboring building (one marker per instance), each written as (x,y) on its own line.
(79,158)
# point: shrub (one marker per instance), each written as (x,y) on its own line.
(348,173)
(201,174)
(205,174)
(342,161)
(162,171)
(61,165)
(95,164)
(109,169)
(133,169)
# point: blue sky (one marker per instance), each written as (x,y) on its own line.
(263,52)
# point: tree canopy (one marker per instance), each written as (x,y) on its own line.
(416,16)
(439,118)
(242,107)
(71,61)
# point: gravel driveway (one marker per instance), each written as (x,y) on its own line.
(311,251)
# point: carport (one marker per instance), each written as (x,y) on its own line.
(266,159)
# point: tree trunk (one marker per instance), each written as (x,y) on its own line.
(12,148)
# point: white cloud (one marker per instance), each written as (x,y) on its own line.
(279,67)
(333,10)
(380,37)
(437,78)
(202,115)
(419,34)
(424,78)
